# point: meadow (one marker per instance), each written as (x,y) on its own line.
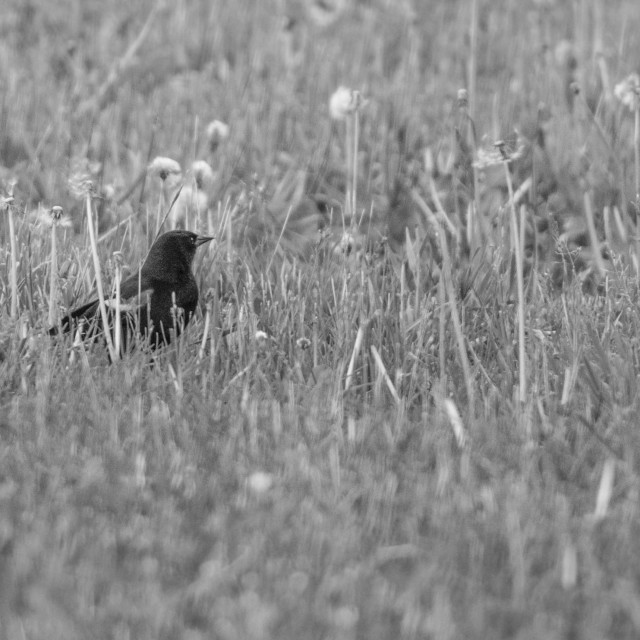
(408,403)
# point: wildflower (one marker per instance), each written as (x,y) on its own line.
(54,217)
(163,167)
(565,55)
(202,174)
(109,192)
(80,184)
(325,12)
(347,242)
(217,132)
(193,197)
(118,258)
(260,482)
(463,99)
(6,205)
(628,92)
(56,212)
(303,343)
(344,102)
(5,202)
(191,201)
(81,181)
(497,155)
(488,158)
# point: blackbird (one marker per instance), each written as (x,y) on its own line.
(171,288)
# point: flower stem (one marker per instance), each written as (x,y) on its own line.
(522,368)
(53,278)
(354,159)
(118,326)
(96,265)
(349,149)
(636,150)
(14,264)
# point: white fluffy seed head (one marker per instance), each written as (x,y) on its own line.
(344,102)
(260,482)
(202,174)
(54,217)
(628,91)
(162,167)
(217,132)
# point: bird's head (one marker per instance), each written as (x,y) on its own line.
(171,255)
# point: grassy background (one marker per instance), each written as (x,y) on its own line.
(386,480)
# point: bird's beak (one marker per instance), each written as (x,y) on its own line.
(203,240)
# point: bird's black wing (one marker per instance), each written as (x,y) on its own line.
(129,288)
(138,283)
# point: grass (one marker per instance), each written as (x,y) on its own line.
(363,457)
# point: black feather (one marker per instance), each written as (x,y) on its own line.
(168,282)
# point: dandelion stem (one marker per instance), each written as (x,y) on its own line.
(349,151)
(14,264)
(354,159)
(442,326)
(593,235)
(118,326)
(473,38)
(205,332)
(636,149)
(96,265)
(522,368)
(53,279)
(636,155)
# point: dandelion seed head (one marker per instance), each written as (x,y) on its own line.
(488,158)
(52,217)
(118,259)
(5,202)
(81,181)
(260,482)
(497,154)
(303,343)
(217,132)
(344,102)
(325,12)
(108,191)
(345,618)
(565,55)
(347,243)
(202,174)
(163,167)
(628,91)
(500,146)
(80,184)
(463,99)
(9,185)
(56,212)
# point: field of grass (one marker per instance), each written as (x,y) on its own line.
(408,404)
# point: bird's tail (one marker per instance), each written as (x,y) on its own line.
(70,321)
